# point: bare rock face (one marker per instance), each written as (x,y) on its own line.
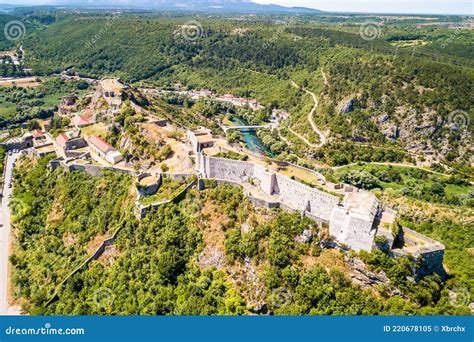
(392,133)
(211,257)
(125,143)
(305,237)
(346,106)
(367,279)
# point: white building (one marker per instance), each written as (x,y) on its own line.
(352,222)
(104,150)
(200,139)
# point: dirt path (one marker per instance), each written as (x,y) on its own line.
(322,137)
(326,82)
(306,141)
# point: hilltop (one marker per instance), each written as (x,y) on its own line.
(226,6)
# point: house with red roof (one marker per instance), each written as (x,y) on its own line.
(37,134)
(105,150)
(82,120)
(70,141)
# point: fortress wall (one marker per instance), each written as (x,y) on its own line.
(339,220)
(263,204)
(298,196)
(358,234)
(178,176)
(266,179)
(292,194)
(226,169)
(432,262)
(92,170)
(351,229)
(430,253)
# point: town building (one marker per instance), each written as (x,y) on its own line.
(200,139)
(240,101)
(104,150)
(37,134)
(83,120)
(69,141)
(46,124)
(42,143)
(279,115)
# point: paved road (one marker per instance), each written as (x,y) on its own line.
(5,231)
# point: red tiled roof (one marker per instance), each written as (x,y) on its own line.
(62,139)
(82,120)
(100,144)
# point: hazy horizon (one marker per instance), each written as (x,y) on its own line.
(465,7)
(383,6)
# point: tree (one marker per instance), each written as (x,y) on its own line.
(34,124)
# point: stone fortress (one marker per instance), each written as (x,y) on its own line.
(270,189)
(356,222)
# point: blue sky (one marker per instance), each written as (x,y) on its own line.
(389,6)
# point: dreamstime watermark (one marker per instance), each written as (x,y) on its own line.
(459,296)
(280,297)
(370,30)
(46,330)
(466,23)
(190,31)
(108,25)
(14,30)
(192,206)
(103,297)
(459,119)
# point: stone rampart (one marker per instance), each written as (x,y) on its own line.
(93,170)
(227,169)
(290,193)
(429,253)
(304,198)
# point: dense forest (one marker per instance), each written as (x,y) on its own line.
(161,265)
(401,98)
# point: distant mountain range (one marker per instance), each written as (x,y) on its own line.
(239,6)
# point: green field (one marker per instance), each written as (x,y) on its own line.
(22,104)
(412,182)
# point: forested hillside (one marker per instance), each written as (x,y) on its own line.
(388,92)
(166,264)
(384,106)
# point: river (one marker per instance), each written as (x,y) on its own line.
(252,141)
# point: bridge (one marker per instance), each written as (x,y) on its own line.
(239,128)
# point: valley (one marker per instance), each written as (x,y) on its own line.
(236,164)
